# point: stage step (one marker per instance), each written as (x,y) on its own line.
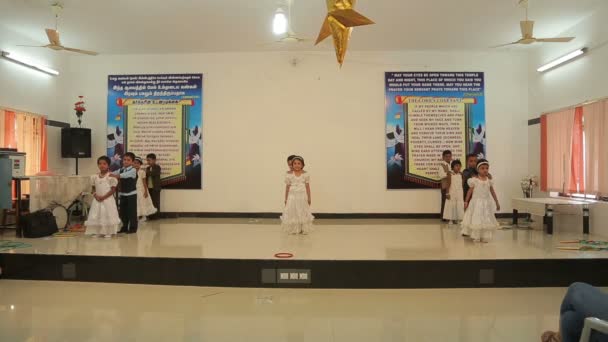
(343,274)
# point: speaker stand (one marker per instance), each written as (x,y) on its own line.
(76,166)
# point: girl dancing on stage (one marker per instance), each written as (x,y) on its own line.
(145,207)
(103,217)
(479,218)
(297,218)
(454,204)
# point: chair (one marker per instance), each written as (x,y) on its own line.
(593,324)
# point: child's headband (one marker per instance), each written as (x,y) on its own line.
(298,158)
(139,159)
(482,163)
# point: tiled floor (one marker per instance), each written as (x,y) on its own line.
(332,240)
(63,311)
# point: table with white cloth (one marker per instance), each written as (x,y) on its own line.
(63,190)
(545,207)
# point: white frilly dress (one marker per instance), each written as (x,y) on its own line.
(103,216)
(454,206)
(144,204)
(297,217)
(479,219)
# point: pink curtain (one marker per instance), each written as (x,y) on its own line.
(557,152)
(596,147)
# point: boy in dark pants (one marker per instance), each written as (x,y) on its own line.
(153,176)
(127,182)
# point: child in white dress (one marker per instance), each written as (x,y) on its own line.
(454,204)
(297,218)
(103,217)
(481,205)
(144,201)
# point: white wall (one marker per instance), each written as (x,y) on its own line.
(583,79)
(29,90)
(258,109)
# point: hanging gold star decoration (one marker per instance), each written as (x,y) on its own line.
(339,22)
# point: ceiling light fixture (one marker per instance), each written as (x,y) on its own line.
(562,60)
(20,60)
(279,23)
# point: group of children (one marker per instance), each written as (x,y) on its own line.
(139,196)
(469,196)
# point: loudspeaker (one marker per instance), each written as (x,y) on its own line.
(38,224)
(75,142)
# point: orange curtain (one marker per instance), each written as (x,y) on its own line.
(27,133)
(596,147)
(543,153)
(556,150)
(9,130)
(2,128)
(44,158)
(577,177)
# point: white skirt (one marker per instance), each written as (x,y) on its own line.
(103,218)
(454,209)
(479,220)
(144,205)
(297,218)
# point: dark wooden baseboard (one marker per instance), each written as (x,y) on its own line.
(323,274)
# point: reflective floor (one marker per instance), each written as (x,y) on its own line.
(332,240)
(63,311)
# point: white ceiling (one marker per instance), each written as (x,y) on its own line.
(181,26)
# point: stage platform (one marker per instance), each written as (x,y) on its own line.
(338,254)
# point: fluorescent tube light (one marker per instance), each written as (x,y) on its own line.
(562,60)
(19,60)
(279,23)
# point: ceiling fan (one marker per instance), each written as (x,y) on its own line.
(290,37)
(53,36)
(527,32)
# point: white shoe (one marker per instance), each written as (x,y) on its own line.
(93,235)
(107,236)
